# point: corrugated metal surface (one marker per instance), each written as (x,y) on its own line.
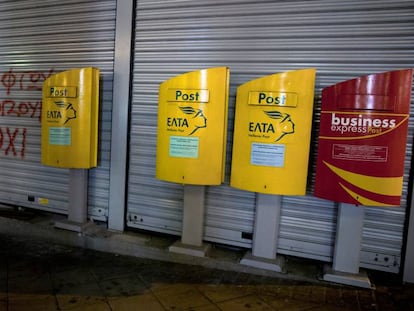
(342,40)
(37,39)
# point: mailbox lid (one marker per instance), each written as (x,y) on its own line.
(272,133)
(362,139)
(192,127)
(381,92)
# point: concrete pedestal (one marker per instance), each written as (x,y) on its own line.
(78,202)
(265,236)
(193,220)
(345,268)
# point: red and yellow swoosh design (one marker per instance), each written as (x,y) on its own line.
(385,186)
(361,199)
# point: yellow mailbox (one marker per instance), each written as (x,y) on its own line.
(70,119)
(272,131)
(192,125)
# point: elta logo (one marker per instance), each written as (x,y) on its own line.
(284,126)
(196,121)
(65,113)
(276,130)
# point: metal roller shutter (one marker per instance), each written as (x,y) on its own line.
(342,40)
(37,39)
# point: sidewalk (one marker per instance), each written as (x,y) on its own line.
(38,275)
(44,268)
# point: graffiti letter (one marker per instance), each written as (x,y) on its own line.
(8,80)
(22,109)
(11,142)
(35,107)
(23,144)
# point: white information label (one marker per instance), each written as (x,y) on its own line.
(267,155)
(60,136)
(184,147)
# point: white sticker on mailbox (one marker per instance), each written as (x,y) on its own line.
(60,136)
(267,155)
(184,147)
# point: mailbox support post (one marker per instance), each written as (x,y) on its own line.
(78,201)
(266,233)
(345,268)
(193,220)
(408,274)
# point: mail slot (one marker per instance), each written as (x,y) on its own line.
(272,130)
(70,110)
(362,139)
(192,127)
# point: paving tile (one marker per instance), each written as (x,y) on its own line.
(98,306)
(3,296)
(250,303)
(180,297)
(145,302)
(318,294)
(349,298)
(404,305)
(330,308)
(279,291)
(366,300)
(289,304)
(384,303)
(3,289)
(153,276)
(30,284)
(74,276)
(32,302)
(407,292)
(302,292)
(207,276)
(218,293)
(74,296)
(205,308)
(333,296)
(73,302)
(128,286)
(271,290)
(395,297)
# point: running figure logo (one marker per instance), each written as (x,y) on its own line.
(285,125)
(198,119)
(70,112)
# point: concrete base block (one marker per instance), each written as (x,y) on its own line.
(192,250)
(358,280)
(276,264)
(72,225)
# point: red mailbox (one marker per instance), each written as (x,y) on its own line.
(362,139)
